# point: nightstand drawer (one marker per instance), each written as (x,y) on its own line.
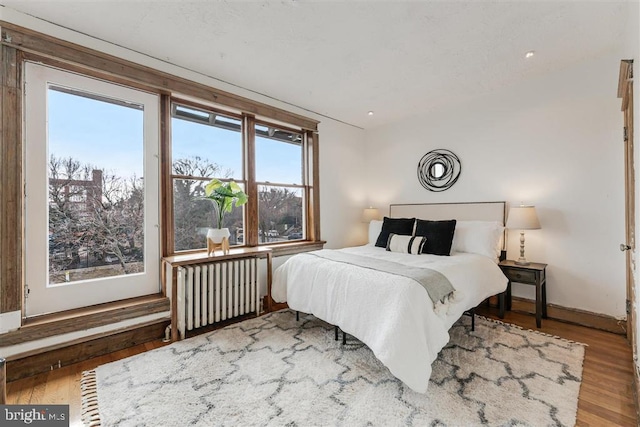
(520,275)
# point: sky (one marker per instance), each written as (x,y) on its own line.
(93,132)
(110,137)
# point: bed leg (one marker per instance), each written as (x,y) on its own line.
(297,316)
(344,338)
(473,320)
(335,329)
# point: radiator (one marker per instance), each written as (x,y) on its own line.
(215,292)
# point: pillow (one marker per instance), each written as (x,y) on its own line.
(403,226)
(375,227)
(479,237)
(405,244)
(439,235)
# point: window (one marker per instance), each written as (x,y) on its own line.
(205,145)
(208,143)
(92,191)
(281,192)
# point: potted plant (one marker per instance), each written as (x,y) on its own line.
(224,195)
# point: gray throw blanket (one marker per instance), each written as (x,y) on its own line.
(435,283)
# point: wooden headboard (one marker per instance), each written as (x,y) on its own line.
(464,211)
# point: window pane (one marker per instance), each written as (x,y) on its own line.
(278,156)
(96,187)
(212,149)
(194,215)
(280,214)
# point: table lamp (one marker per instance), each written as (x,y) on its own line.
(369,214)
(523,218)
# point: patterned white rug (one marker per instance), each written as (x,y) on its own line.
(273,370)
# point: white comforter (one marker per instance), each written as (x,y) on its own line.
(391,314)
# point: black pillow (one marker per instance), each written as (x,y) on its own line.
(439,236)
(403,226)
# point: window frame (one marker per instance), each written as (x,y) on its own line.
(169,233)
(85,292)
(303,176)
(309,149)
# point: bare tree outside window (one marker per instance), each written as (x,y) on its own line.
(193,214)
(96,222)
(280,214)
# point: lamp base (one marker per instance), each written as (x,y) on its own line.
(522,260)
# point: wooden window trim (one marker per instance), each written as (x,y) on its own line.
(251,212)
(278,249)
(11,200)
(313,200)
(80,319)
(283,249)
(166,180)
(40,360)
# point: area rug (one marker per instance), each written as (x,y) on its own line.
(274,370)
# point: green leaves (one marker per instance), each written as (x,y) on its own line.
(241,197)
(225,195)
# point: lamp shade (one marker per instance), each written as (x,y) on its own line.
(523,218)
(369,214)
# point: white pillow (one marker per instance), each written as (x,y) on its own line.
(406,244)
(479,237)
(375,227)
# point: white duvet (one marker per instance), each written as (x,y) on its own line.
(393,315)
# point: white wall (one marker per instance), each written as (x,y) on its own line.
(342,184)
(554,142)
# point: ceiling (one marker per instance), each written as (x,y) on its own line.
(342,59)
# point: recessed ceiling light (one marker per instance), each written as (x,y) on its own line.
(370,113)
(529,54)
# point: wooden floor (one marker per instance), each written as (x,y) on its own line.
(606,393)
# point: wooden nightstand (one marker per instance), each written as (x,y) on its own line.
(532,274)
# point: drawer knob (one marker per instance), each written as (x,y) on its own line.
(518,275)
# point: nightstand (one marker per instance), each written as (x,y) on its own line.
(532,274)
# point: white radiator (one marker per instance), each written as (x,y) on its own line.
(215,292)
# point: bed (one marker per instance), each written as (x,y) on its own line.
(392,314)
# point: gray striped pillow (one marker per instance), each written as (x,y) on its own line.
(406,244)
